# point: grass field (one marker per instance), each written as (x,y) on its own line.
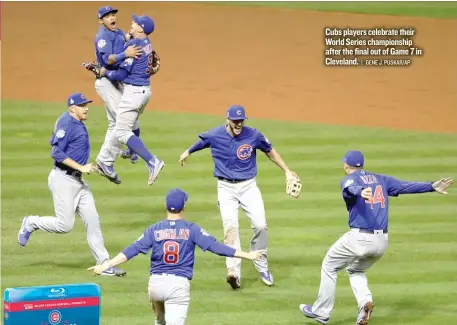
(415,283)
(429,9)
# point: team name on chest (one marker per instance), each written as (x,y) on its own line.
(165,234)
(369,179)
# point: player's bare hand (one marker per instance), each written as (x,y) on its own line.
(442,185)
(290,174)
(128,36)
(183,157)
(102,71)
(367,193)
(256,255)
(87,168)
(99,269)
(133,52)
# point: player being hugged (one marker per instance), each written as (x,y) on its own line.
(173,242)
(233,148)
(135,75)
(366,196)
(110,51)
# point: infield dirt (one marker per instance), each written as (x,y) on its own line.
(269,60)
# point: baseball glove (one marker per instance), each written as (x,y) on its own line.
(94,67)
(155,63)
(293,185)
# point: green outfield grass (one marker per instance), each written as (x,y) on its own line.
(414,284)
(430,9)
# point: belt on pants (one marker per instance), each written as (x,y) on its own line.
(371,231)
(68,170)
(169,274)
(231,180)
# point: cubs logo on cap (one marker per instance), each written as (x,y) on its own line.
(103,11)
(236,112)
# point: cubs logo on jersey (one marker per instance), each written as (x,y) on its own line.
(244,151)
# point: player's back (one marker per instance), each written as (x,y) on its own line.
(173,248)
(371,214)
(140,69)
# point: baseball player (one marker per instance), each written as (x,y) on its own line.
(366,196)
(135,75)
(173,242)
(70,193)
(233,148)
(110,52)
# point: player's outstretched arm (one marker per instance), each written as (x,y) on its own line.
(275,157)
(99,269)
(397,187)
(202,143)
(227,251)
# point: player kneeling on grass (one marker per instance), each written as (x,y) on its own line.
(366,197)
(173,243)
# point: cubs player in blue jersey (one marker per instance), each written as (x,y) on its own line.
(366,196)
(173,242)
(233,148)
(110,52)
(70,192)
(135,75)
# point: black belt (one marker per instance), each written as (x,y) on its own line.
(70,171)
(370,231)
(231,180)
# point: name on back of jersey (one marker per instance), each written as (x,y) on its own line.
(369,179)
(165,234)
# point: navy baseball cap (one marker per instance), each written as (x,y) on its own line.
(78,99)
(236,112)
(354,158)
(145,22)
(176,200)
(102,11)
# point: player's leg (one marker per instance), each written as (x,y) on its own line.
(359,281)
(87,210)
(340,255)
(65,191)
(131,106)
(228,206)
(127,153)
(177,301)
(252,203)
(111,96)
(158,307)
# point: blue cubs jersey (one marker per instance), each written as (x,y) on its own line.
(235,157)
(139,70)
(70,139)
(374,214)
(108,42)
(173,246)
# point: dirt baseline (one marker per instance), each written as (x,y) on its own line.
(269,60)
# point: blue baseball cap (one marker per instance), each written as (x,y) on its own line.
(145,22)
(236,112)
(102,11)
(78,99)
(354,158)
(176,200)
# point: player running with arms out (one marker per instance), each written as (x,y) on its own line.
(70,193)
(173,242)
(366,196)
(135,75)
(233,148)
(110,52)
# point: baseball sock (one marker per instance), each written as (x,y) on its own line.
(137,133)
(136,145)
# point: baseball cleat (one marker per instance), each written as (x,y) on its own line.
(307,311)
(127,153)
(234,281)
(112,271)
(365,313)
(154,170)
(267,278)
(107,172)
(23,234)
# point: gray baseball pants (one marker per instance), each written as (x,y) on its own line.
(357,252)
(170,297)
(71,195)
